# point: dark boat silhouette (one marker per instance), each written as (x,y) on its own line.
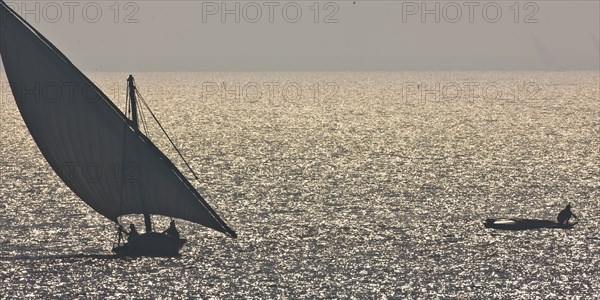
(77,125)
(524,224)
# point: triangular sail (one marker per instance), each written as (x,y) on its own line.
(87,140)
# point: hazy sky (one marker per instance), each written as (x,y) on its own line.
(309,35)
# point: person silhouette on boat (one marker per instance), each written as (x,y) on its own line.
(133,233)
(565,215)
(172,230)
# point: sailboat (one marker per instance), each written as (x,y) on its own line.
(75,126)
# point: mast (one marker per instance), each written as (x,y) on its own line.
(134,120)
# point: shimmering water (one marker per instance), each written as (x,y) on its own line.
(364,185)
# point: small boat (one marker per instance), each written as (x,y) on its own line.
(98,151)
(524,224)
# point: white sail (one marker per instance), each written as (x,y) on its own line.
(87,140)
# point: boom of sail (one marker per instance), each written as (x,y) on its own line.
(87,140)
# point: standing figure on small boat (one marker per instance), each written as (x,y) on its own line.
(133,233)
(172,230)
(565,215)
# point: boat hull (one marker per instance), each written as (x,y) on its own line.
(151,244)
(524,224)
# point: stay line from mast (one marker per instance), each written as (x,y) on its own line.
(166,134)
(143,101)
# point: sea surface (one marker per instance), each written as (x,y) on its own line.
(340,185)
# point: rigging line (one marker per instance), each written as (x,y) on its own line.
(143,119)
(122,172)
(223,220)
(167,135)
(118,238)
(127,102)
(145,123)
(141,113)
